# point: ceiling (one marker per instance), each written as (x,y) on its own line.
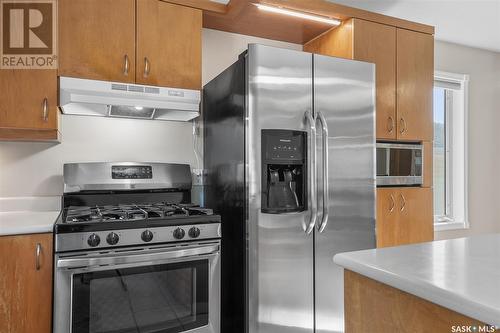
(473,23)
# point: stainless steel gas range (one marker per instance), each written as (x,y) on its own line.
(132,254)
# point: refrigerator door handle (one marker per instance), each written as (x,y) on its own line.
(326,204)
(311,165)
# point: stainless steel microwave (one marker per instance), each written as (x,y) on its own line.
(399,164)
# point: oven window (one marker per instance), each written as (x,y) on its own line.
(154,299)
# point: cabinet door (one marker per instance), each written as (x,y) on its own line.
(387,217)
(376,43)
(416,217)
(97,39)
(29,99)
(26,283)
(415,76)
(168,45)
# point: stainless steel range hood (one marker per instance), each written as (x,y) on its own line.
(115,99)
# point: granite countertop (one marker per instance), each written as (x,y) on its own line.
(459,274)
(27,222)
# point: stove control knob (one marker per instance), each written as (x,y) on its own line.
(194,232)
(112,238)
(93,240)
(179,233)
(147,236)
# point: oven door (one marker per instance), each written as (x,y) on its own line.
(154,290)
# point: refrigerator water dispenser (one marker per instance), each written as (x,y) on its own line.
(283,171)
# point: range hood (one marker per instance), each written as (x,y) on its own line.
(116,99)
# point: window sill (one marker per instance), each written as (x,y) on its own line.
(444,226)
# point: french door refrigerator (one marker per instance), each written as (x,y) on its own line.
(289,152)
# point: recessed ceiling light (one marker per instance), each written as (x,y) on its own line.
(280,10)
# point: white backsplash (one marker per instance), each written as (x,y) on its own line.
(35,169)
(38,204)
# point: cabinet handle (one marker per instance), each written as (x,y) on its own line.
(402,124)
(390,124)
(403,202)
(147,67)
(126,65)
(38,252)
(45,109)
(393,204)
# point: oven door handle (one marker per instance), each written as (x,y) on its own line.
(121,259)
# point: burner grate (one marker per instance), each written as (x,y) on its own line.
(132,212)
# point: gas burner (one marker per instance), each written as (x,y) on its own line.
(132,212)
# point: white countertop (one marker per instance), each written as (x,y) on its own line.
(459,274)
(30,222)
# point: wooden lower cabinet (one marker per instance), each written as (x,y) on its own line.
(404,216)
(371,306)
(26,283)
(387,217)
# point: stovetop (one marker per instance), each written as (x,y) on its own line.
(105,226)
(131,216)
(131,212)
(119,204)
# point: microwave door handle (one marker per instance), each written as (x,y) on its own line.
(311,166)
(136,258)
(326,201)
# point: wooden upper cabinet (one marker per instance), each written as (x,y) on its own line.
(26,283)
(376,43)
(336,42)
(168,45)
(28,104)
(97,39)
(415,78)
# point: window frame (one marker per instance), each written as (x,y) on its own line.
(456,189)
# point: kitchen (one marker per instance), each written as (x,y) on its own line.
(205,38)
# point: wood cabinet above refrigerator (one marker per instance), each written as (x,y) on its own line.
(404,70)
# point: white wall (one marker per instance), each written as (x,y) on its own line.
(35,169)
(484,133)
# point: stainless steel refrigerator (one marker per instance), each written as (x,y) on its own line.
(289,149)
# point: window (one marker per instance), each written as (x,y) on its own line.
(450,151)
